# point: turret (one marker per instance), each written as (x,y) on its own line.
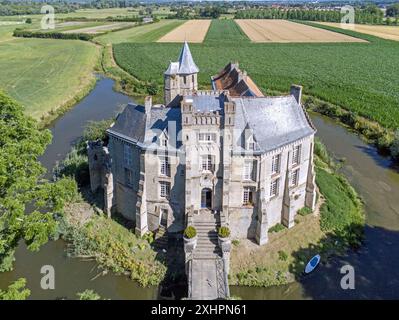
(181,76)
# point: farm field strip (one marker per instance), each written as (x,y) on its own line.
(225,30)
(102,28)
(385,32)
(283,31)
(333,72)
(191,31)
(143,33)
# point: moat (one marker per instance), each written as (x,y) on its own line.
(371,174)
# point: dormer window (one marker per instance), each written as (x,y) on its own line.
(250,144)
(163,140)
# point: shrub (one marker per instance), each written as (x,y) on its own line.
(96,130)
(224,232)
(88,295)
(235,242)
(282,255)
(304,211)
(190,232)
(395,145)
(277,228)
(52,35)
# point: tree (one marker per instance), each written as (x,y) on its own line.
(16,291)
(393,10)
(28,204)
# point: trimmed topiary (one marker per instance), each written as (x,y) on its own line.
(224,232)
(190,232)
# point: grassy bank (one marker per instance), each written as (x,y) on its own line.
(335,226)
(47,76)
(111,244)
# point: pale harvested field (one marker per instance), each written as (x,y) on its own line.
(102,28)
(259,30)
(190,31)
(385,32)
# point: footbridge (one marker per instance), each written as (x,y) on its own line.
(207,258)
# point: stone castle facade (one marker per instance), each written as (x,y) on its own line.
(229,151)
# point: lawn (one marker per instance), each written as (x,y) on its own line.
(45,74)
(361,77)
(144,33)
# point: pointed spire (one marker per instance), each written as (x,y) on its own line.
(186,62)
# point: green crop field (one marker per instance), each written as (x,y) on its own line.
(225,30)
(43,74)
(144,33)
(362,77)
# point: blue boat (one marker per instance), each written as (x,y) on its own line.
(312,264)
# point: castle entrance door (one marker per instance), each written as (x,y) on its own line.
(206,198)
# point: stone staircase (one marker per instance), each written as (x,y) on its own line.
(207,247)
(161,239)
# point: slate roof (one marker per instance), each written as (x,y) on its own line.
(206,103)
(185,65)
(132,123)
(274,121)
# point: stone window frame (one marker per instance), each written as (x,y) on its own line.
(207,162)
(127,155)
(296,155)
(274,188)
(294,178)
(250,144)
(276,164)
(207,137)
(249,176)
(164,166)
(246,196)
(164,189)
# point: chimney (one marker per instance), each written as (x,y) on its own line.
(148,104)
(296,91)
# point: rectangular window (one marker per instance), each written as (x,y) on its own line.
(294,178)
(128,177)
(274,186)
(207,137)
(296,155)
(249,170)
(276,161)
(127,155)
(247,197)
(164,189)
(207,162)
(164,166)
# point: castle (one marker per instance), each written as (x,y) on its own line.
(230,153)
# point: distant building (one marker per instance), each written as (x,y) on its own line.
(229,152)
(148,19)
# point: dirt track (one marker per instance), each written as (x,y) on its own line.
(262,30)
(385,32)
(190,31)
